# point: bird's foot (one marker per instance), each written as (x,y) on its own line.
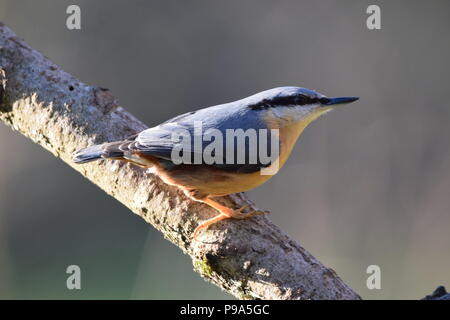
(228,214)
(239,214)
(207,223)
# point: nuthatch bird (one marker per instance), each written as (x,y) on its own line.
(288,110)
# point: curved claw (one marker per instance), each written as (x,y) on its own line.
(243,208)
(240,215)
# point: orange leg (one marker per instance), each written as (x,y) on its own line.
(225,213)
(207,223)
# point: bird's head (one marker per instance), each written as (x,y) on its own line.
(286,105)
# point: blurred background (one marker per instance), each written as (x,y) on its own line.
(367,184)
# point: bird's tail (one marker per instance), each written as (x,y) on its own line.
(88,154)
(99,151)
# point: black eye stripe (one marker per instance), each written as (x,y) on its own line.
(324,100)
(298,100)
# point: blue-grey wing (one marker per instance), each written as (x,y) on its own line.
(158,141)
(162,141)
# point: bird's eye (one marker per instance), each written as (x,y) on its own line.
(324,100)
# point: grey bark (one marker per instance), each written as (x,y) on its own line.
(249,259)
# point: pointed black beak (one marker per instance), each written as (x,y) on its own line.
(340,100)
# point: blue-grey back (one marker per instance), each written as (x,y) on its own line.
(158,141)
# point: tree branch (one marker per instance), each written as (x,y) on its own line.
(249,259)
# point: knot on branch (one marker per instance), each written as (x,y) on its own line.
(105,100)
